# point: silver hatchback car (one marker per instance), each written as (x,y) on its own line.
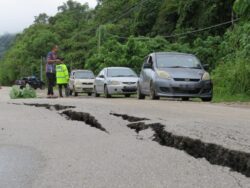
(172,74)
(116,80)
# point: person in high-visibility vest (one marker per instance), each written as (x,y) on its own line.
(62,78)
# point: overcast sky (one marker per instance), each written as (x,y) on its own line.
(15,15)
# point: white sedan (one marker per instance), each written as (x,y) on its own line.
(81,81)
(116,80)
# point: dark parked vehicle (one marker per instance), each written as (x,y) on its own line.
(33,81)
(171,74)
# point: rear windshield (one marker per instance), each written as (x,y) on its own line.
(121,73)
(177,61)
(84,75)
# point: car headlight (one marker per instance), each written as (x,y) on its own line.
(112,82)
(206,76)
(164,75)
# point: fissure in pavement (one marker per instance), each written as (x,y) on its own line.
(129,118)
(56,107)
(215,154)
(84,117)
(72,115)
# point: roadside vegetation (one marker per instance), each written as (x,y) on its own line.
(122,33)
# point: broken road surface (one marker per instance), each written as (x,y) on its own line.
(120,142)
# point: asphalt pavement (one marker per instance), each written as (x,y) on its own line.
(84,141)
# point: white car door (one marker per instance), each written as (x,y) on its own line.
(99,82)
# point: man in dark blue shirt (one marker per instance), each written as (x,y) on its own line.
(52,60)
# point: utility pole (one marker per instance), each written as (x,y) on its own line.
(232,17)
(41,68)
(99,39)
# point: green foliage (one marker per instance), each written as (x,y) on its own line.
(242,7)
(5,43)
(207,50)
(17,93)
(122,33)
(232,76)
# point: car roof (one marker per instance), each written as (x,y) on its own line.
(171,53)
(118,68)
(81,70)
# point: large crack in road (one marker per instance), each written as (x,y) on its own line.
(84,117)
(70,115)
(129,118)
(215,154)
(56,107)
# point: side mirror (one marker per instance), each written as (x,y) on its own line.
(147,66)
(205,66)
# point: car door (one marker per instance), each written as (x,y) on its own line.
(99,82)
(143,75)
(148,72)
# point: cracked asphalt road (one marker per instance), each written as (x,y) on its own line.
(39,148)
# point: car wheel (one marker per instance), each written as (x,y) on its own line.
(70,92)
(152,93)
(207,99)
(127,95)
(185,98)
(89,94)
(139,94)
(75,93)
(95,93)
(106,92)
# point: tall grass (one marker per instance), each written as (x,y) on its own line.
(232,81)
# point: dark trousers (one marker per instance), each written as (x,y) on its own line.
(60,86)
(51,79)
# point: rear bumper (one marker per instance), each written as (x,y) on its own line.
(201,89)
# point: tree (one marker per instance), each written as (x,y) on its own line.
(42,19)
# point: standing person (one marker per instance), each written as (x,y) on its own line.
(52,60)
(62,77)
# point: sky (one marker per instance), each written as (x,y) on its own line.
(16,15)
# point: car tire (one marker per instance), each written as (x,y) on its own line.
(140,96)
(70,92)
(185,98)
(95,93)
(127,95)
(153,95)
(106,92)
(207,99)
(75,93)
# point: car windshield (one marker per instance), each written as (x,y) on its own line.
(121,73)
(177,61)
(84,75)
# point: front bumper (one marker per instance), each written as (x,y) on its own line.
(122,89)
(84,88)
(170,88)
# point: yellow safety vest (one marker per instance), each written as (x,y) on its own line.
(62,74)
